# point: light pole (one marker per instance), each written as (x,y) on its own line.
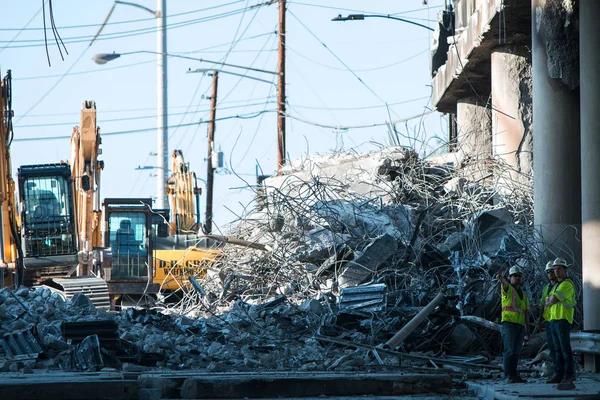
(162,143)
(161,92)
(360,17)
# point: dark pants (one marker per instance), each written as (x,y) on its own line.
(550,342)
(512,339)
(563,355)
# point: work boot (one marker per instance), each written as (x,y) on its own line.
(513,379)
(555,379)
(568,379)
(519,379)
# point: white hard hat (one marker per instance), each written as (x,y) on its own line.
(560,262)
(549,266)
(516,270)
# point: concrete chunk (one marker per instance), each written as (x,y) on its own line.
(361,269)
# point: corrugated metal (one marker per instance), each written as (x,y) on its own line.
(94,288)
(368,298)
(20,345)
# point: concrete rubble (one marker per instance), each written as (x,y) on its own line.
(352,248)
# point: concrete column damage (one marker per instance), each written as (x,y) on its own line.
(512,112)
(474,138)
(557,183)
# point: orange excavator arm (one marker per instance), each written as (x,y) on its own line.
(8,221)
(86,169)
(182,192)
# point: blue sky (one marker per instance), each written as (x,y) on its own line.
(338,74)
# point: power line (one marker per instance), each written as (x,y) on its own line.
(53,86)
(239,116)
(232,90)
(364,107)
(22,29)
(121,110)
(103,121)
(360,11)
(234,42)
(135,32)
(122,22)
(133,131)
(346,127)
(337,58)
(204,50)
(268,100)
(358,70)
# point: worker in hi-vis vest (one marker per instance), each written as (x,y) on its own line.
(545,317)
(561,302)
(515,322)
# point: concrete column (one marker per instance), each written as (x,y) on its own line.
(556,142)
(474,138)
(589,42)
(512,114)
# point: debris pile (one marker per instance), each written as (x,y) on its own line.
(345,251)
(368,240)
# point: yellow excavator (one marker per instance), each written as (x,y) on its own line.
(57,232)
(182,252)
(139,251)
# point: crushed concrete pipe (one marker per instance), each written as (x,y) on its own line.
(482,322)
(414,323)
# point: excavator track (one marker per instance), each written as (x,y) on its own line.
(93,287)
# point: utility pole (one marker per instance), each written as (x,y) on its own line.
(281,151)
(161,105)
(210,171)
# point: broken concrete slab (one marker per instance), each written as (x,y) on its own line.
(320,244)
(362,268)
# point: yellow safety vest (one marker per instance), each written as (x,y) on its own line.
(565,308)
(545,295)
(514,307)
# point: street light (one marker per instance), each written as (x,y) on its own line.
(103,58)
(360,17)
(161,104)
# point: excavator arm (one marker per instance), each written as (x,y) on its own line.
(9,250)
(86,170)
(182,192)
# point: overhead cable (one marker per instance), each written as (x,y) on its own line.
(133,131)
(346,127)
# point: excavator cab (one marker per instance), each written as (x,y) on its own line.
(128,237)
(48,227)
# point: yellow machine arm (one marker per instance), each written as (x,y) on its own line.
(86,169)
(182,192)
(8,222)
